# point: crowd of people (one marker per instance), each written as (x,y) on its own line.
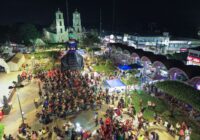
(67,93)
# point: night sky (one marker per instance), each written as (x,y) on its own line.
(181,17)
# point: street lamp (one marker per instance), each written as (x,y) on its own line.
(20,108)
(17,85)
(126,96)
(33,61)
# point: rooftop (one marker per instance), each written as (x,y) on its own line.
(16,58)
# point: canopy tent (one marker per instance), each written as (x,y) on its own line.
(38,42)
(124,67)
(115,85)
(129,67)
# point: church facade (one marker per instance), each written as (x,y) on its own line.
(58,33)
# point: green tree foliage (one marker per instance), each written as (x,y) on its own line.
(178,56)
(181,92)
(47,54)
(28,32)
(1,130)
(90,38)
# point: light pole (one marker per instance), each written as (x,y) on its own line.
(33,61)
(20,108)
(17,85)
(126,101)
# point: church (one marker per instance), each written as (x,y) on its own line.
(58,33)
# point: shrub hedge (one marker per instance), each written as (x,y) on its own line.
(181,91)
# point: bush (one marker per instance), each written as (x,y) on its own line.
(42,55)
(181,92)
(1,130)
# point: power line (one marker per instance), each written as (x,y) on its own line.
(67,10)
(113,18)
(100,25)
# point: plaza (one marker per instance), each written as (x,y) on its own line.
(41,112)
(99,70)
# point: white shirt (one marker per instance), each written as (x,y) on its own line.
(165,124)
(66,128)
(187,137)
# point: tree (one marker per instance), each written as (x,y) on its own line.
(182,92)
(28,32)
(90,38)
(1,130)
(179,56)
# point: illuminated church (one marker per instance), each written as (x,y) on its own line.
(58,33)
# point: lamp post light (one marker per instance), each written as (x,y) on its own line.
(126,96)
(33,61)
(20,108)
(17,85)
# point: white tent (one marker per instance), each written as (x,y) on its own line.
(5,65)
(115,85)
(16,62)
(39,42)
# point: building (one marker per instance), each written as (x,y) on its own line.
(162,44)
(58,33)
(181,44)
(16,62)
(193,56)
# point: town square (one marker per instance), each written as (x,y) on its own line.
(81,76)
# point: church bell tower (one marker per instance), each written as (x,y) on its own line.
(77,22)
(60,26)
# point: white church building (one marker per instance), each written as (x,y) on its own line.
(58,33)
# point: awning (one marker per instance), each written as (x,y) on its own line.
(130,67)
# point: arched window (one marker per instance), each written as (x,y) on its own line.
(60,16)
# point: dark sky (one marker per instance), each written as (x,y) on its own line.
(179,16)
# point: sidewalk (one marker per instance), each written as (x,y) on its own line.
(26,96)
